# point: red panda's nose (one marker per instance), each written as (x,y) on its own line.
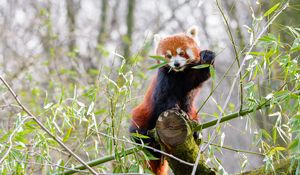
(176,64)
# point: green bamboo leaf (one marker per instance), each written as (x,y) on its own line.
(157,57)
(294,31)
(90,109)
(212,72)
(47,106)
(257,53)
(266,134)
(297,116)
(274,136)
(67,136)
(249,85)
(296,45)
(268,38)
(141,136)
(280,148)
(295,49)
(294,145)
(156,66)
(201,66)
(272,9)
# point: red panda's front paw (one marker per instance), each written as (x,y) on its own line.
(207,57)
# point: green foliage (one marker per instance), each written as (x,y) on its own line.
(272,9)
(201,66)
(86,117)
(162,62)
(278,66)
(89,108)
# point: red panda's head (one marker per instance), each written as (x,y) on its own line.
(179,49)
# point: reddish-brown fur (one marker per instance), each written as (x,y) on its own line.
(173,42)
(142,113)
(159,167)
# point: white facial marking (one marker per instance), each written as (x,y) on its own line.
(178,50)
(169,52)
(190,53)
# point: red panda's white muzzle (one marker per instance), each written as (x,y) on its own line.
(177,63)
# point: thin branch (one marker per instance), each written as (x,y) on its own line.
(203,148)
(44,127)
(47,164)
(235,150)
(235,52)
(100,161)
(231,116)
(126,152)
(239,113)
(151,148)
(171,18)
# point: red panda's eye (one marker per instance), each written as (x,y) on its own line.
(169,56)
(181,54)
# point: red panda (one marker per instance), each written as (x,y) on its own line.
(176,84)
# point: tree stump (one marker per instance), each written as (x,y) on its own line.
(174,131)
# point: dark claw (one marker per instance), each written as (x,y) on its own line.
(207,57)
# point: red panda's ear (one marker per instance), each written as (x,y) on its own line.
(157,39)
(193,32)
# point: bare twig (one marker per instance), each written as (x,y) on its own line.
(235,52)
(44,127)
(171,18)
(235,150)
(100,161)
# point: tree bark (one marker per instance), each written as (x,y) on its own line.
(71,11)
(130,25)
(103,24)
(174,131)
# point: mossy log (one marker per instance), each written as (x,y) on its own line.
(175,135)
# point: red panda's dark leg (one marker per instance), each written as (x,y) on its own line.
(141,123)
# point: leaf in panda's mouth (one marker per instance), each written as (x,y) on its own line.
(159,58)
(163,61)
(156,66)
(201,66)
